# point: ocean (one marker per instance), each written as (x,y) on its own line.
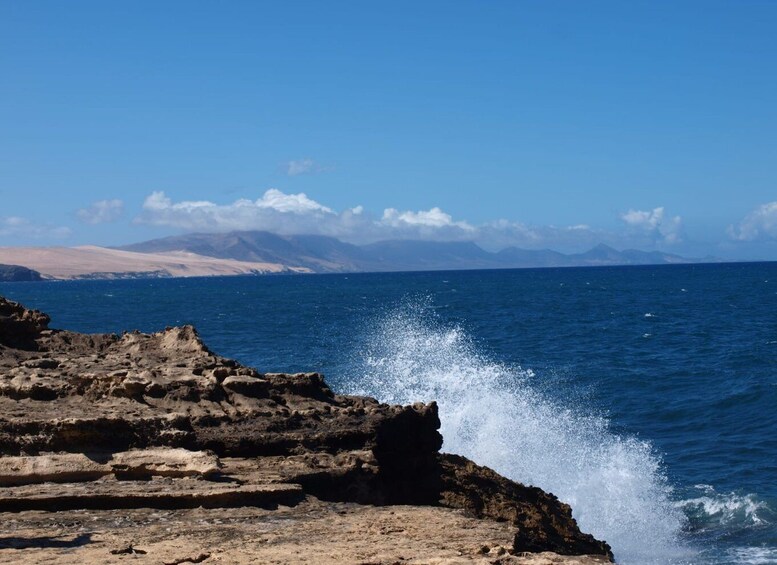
(645,397)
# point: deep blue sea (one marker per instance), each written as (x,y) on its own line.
(646,397)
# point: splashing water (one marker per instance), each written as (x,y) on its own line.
(492,414)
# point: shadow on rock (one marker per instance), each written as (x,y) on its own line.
(44,542)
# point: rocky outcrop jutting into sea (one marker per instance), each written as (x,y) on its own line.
(150,436)
(16,273)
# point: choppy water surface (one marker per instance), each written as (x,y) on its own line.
(646,397)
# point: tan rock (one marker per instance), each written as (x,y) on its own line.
(246,385)
(163,408)
(164,462)
(155,493)
(311,532)
(79,467)
(62,468)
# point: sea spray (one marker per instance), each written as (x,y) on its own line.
(493,414)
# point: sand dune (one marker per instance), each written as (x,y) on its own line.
(100,262)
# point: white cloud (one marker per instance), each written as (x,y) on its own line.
(16,227)
(503,233)
(760,224)
(274,211)
(432,218)
(290,214)
(299,167)
(283,213)
(304,166)
(101,212)
(296,203)
(654,224)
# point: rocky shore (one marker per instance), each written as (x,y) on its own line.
(151,447)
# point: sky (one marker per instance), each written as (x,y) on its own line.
(547,124)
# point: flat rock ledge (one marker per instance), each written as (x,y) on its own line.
(151,446)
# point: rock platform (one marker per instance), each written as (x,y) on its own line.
(145,439)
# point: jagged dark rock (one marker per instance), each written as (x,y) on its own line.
(275,437)
(545,523)
(20,327)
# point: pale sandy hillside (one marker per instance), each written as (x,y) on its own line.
(92,261)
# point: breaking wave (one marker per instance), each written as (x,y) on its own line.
(710,508)
(743,519)
(493,414)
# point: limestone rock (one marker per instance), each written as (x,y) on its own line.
(62,468)
(159,420)
(311,532)
(161,462)
(19,327)
(167,493)
(80,467)
(544,523)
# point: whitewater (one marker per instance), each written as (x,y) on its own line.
(493,414)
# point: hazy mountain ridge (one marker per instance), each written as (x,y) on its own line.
(327,254)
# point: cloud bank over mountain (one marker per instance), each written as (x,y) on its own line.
(753,237)
(296,214)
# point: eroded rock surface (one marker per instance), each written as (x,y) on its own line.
(135,464)
(157,420)
(312,532)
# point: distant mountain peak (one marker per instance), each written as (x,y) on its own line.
(327,254)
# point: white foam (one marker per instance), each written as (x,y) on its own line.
(492,414)
(754,555)
(723,509)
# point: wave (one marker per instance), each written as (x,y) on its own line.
(495,415)
(753,555)
(712,509)
(743,523)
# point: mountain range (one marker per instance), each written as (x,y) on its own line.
(324,254)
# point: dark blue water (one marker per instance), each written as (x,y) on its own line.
(644,396)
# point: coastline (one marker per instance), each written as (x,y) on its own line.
(95,425)
(96,263)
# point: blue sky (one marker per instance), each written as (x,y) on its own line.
(537,124)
